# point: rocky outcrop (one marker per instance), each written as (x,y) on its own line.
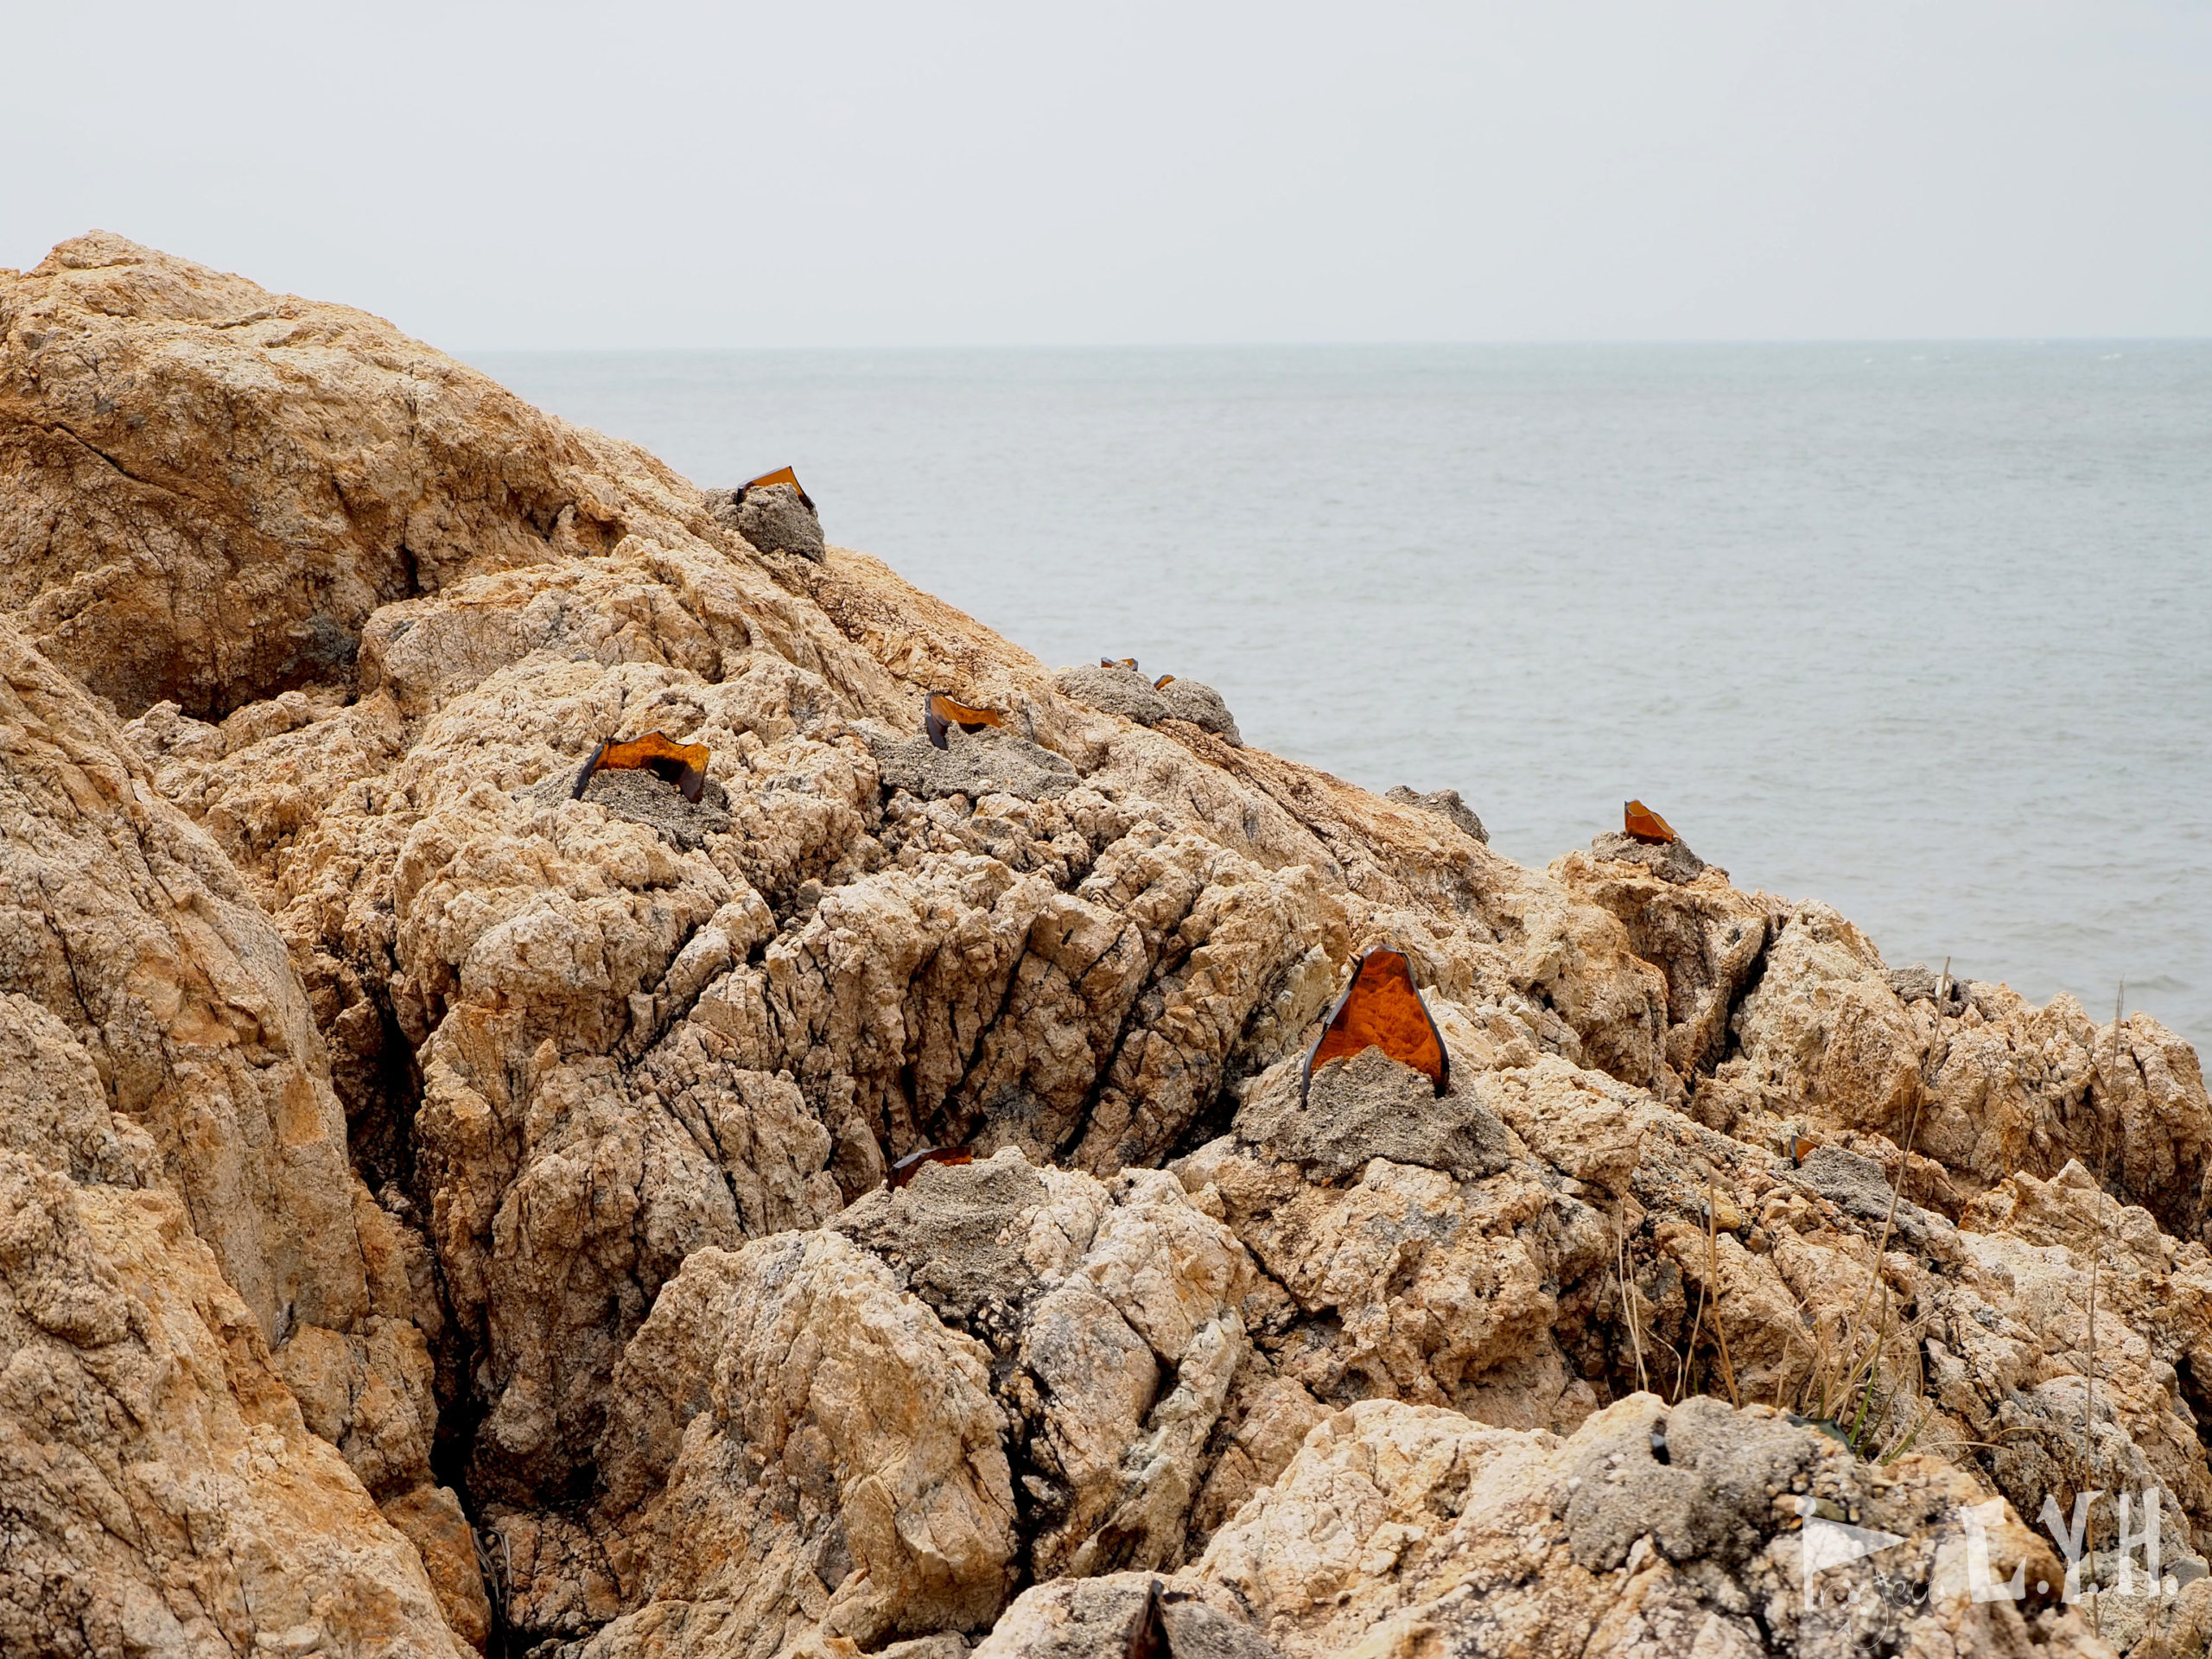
(443,1212)
(216,1360)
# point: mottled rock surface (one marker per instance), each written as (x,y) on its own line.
(1124,691)
(438,1213)
(1445,803)
(774,518)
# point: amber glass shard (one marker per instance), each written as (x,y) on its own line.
(1148,1630)
(940,714)
(781,475)
(583,778)
(684,764)
(1163,683)
(1640,822)
(1382,1008)
(1129,663)
(907,1167)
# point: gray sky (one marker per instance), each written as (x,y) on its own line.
(897,174)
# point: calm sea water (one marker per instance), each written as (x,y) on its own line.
(1924,630)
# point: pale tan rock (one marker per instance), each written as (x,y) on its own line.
(1092,1330)
(178,1197)
(123,920)
(1440,1285)
(801,1441)
(432,1520)
(1705,936)
(153,573)
(168,1496)
(1099,1618)
(1404,1530)
(1824,1041)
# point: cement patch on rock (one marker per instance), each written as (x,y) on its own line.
(1672,862)
(1200,704)
(1121,691)
(1125,692)
(951,1232)
(972,764)
(644,798)
(1445,804)
(773,517)
(1370,1106)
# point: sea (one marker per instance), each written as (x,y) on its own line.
(1920,629)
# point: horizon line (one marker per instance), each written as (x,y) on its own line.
(1373,344)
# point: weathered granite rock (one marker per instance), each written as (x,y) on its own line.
(201,1309)
(1101,1619)
(1824,1040)
(1043,1356)
(1405,1529)
(624,1075)
(1709,939)
(205,488)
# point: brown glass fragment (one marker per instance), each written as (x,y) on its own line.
(940,714)
(1640,822)
(1382,1008)
(909,1166)
(1163,683)
(1129,663)
(781,475)
(1148,1633)
(684,764)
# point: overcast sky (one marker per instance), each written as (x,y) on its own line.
(900,174)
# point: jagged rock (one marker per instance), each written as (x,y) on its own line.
(356,467)
(1445,803)
(791,1435)
(180,1239)
(1708,938)
(1098,1619)
(1078,1336)
(1823,1039)
(1404,1530)
(1415,1282)
(431,1518)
